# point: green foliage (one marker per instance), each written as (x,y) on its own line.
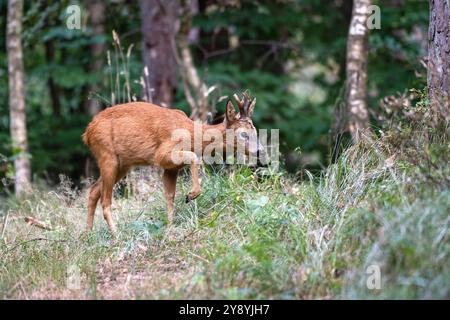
(245,237)
(384,201)
(52,51)
(309,37)
(290,54)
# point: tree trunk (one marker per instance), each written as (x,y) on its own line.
(439,57)
(158,27)
(17,97)
(339,120)
(357,54)
(97,16)
(195,89)
(50,59)
(53,87)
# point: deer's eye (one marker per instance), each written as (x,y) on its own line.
(244,135)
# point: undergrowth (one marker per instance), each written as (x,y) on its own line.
(248,235)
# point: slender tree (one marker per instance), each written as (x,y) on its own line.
(158,27)
(18,118)
(50,56)
(439,56)
(52,86)
(195,89)
(357,54)
(92,106)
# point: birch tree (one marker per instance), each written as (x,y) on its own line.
(357,54)
(18,117)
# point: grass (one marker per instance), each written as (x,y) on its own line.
(247,236)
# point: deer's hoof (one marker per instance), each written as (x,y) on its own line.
(191,196)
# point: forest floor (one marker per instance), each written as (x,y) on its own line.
(246,236)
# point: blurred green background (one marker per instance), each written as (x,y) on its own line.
(289,54)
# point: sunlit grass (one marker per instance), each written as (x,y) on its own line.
(246,236)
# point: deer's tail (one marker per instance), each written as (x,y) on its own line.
(86,135)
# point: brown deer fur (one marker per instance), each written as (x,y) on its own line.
(139,133)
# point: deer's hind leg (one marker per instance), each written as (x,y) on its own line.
(94,196)
(111,172)
(169,179)
(96,193)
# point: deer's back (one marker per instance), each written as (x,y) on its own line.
(137,132)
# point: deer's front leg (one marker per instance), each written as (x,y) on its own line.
(170,181)
(189,157)
(196,188)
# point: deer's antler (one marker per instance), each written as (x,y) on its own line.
(243,104)
(239,102)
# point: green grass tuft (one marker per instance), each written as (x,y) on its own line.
(246,236)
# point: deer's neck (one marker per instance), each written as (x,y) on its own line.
(208,136)
(220,129)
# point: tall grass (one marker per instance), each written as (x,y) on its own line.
(246,236)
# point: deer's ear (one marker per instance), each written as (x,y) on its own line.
(230,113)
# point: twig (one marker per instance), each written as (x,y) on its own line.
(35,239)
(5,223)
(23,290)
(271,43)
(17,284)
(275,46)
(34,222)
(199,257)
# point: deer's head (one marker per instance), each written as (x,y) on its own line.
(242,125)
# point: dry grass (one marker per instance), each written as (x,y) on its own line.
(247,236)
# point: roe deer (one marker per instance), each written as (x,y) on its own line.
(138,133)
